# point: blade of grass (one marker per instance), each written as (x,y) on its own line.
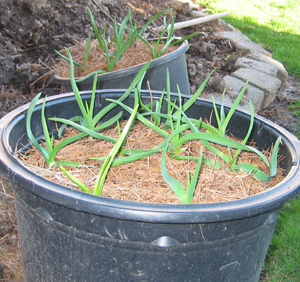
(99,37)
(274,157)
(30,135)
(167,44)
(76,90)
(87,50)
(84,129)
(120,52)
(151,21)
(133,155)
(134,82)
(141,118)
(68,60)
(90,74)
(233,108)
(171,27)
(90,109)
(62,144)
(75,180)
(120,33)
(108,162)
(209,162)
(247,135)
(193,183)
(221,141)
(49,140)
(218,119)
(66,163)
(256,172)
(171,181)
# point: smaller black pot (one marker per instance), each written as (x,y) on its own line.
(156,75)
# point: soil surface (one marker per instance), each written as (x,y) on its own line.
(31,29)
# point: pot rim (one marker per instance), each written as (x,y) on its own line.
(156,62)
(267,201)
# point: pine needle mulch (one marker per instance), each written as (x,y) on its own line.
(142,180)
(137,53)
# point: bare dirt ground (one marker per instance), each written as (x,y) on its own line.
(30,30)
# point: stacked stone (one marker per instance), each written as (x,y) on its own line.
(265,75)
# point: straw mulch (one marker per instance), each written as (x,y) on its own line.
(137,53)
(142,180)
(10,253)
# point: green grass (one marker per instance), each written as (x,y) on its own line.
(275,25)
(283,260)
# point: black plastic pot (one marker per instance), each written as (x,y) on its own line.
(68,235)
(156,75)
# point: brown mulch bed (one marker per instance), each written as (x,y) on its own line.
(142,180)
(137,53)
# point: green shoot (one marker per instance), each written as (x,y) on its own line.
(154,50)
(257,173)
(75,180)
(48,153)
(98,186)
(150,22)
(100,38)
(123,48)
(171,181)
(67,59)
(162,39)
(170,27)
(31,137)
(223,120)
(221,140)
(134,154)
(85,111)
(179,41)
(185,195)
(140,76)
(87,50)
(122,43)
(245,140)
(87,121)
(86,55)
(108,161)
(120,32)
(192,184)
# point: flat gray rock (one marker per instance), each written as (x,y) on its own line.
(282,74)
(228,101)
(267,68)
(267,83)
(242,43)
(234,86)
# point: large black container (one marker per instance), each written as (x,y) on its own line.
(68,235)
(156,75)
